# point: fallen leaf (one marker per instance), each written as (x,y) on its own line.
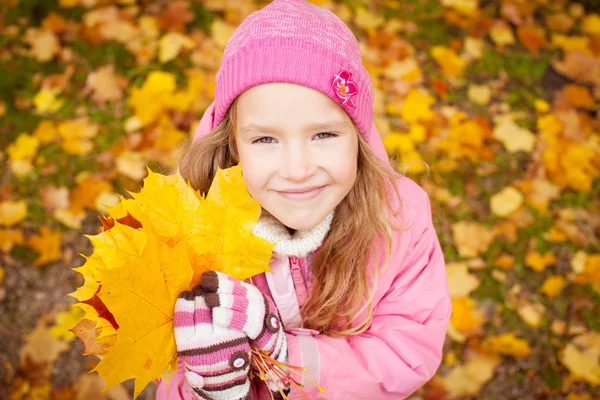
(507,344)
(502,34)
(471,238)
(505,202)
(221,32)
(531,37)
(175,16)
(64,322)
(466,316)
(47,244)
(539,262)
(450,62)
(172,44)
(76,135)
(23,148)
(553,286)
(417,106)
(479,94)
(579,96)
(46,101)
(132,165)
(367,20)
(513,137)
(85,194)
(560,22)
(469,378)
(9,238)
(591,24)
(582,357)
(466,7)
(91,387)
(53,198)
(105,85)
(531,313)
(44,44)
(12,212)
(579,66)
(41,347)
(460,281)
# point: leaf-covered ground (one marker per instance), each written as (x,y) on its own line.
(492,106)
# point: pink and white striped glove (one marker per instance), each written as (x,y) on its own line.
(216,358)
(240,305)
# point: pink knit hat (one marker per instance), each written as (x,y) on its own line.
(297,42)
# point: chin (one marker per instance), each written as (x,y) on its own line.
(299,223)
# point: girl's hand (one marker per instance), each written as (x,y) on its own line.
(216,358)
(239,305)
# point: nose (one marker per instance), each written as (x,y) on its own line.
(298,164)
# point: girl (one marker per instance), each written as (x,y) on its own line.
(357,290)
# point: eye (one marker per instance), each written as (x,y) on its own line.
(324,135)
(264,140)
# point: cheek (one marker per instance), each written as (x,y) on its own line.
(253,173)
(343,167)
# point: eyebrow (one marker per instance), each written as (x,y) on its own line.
(316,126)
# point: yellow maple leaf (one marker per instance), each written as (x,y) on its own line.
(507,344)
(468,378)
(451,63)
(46,131)
(466,7)
(46,102)
(513,137)
(502,34)
(25,147)
(506,201)
(479,94)
(587,267)
(9,238)
(44,43)
(64,321)
(149,101)
(368,21)
(226,239)
(171,44)
(47,244)
(137,273)
(12,212)
(460,281)
(539,262)
(221,31)
(141,297)
(582,357)
(471,238)
(466,315)
(591,24)
(76,135)
(105,85)
(417,106)
(553,286)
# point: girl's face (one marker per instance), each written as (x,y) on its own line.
(298,150)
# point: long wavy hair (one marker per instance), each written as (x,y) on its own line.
(343,286)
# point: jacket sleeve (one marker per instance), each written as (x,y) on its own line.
(402,349)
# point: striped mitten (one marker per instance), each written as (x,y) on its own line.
(216,358)
(240,305)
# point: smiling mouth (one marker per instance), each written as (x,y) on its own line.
(302,194)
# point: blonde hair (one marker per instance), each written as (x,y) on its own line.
(342,287)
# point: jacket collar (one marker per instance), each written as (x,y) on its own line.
(300,243)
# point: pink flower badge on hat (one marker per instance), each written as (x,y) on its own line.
(345,88)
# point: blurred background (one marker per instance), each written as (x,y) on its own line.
(492,106)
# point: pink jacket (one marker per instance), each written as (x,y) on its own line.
(402,348)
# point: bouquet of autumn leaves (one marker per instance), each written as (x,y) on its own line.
(152,248)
